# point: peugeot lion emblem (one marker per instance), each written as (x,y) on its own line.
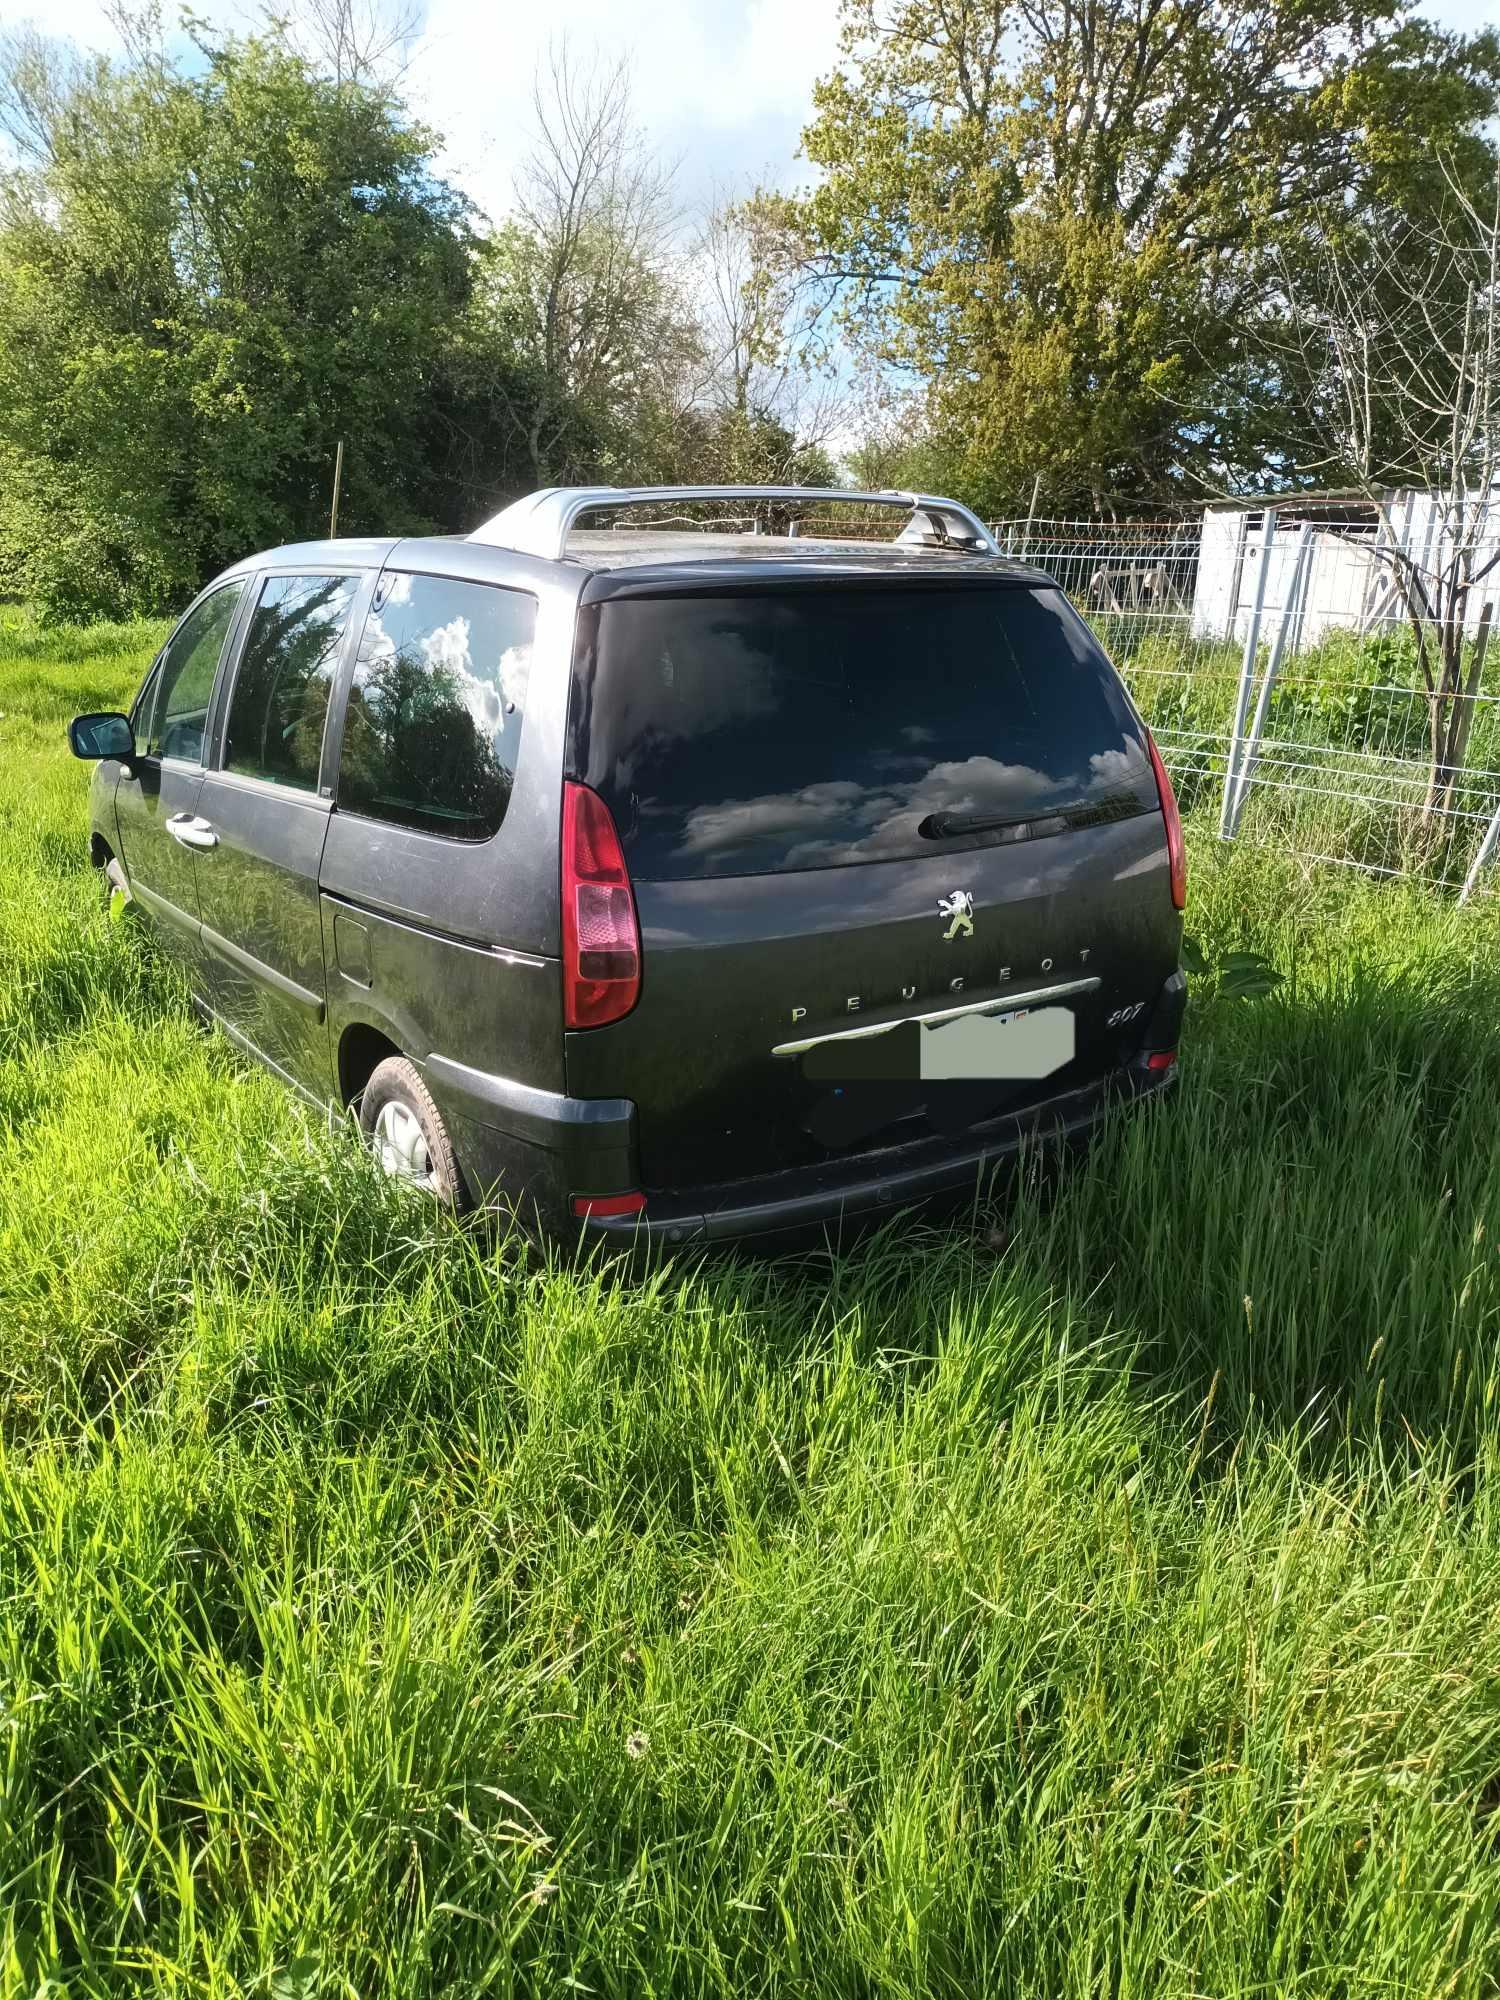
(959,907)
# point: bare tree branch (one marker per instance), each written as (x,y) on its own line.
(1397,338)
(361,43)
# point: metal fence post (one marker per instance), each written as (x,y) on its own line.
(1291,619)
(1477,865)
(1247,671)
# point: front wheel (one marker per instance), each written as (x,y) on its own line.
(407,1135)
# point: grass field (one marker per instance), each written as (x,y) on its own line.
(1115,1611)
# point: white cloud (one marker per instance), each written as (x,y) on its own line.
(724,89)
(448,646)
(725,86)
(1469,15)
(515,676)
(871,821)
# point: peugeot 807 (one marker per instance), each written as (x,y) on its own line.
(656,880)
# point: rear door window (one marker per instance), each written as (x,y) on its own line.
(185,677)
(792,729)
(285,677)
(434,720)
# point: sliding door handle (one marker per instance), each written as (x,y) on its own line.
(190,831)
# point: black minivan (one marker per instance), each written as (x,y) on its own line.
(660,879)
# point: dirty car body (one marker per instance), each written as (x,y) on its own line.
(712,884)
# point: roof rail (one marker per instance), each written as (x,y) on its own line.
(540,524)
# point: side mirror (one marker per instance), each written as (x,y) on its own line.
(93,737)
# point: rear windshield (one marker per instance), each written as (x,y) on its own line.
(786,729)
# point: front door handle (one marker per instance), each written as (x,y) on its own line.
(190,831)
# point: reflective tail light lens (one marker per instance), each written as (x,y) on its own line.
(1176,852)
(585,1205)
(600,933)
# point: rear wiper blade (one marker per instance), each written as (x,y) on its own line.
(1103,807)
(943,826)
(1076,812)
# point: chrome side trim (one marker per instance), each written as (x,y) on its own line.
(1001,1004)
(160,907)
(269,788)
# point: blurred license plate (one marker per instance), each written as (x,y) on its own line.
(1016,1046)
(1029,1043)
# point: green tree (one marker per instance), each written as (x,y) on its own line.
(207,277)
(1059,219)
(711,445)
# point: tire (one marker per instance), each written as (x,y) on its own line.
(407,1135)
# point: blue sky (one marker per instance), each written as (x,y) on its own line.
(722,85)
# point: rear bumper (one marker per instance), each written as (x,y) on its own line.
(794,1205)
(533,1150)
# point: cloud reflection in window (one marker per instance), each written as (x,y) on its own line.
(435,720)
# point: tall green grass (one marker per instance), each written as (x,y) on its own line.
(1100,1596)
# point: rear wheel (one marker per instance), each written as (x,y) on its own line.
(407,1134)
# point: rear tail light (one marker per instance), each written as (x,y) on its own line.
(1176,852)
(608,1204)
(1161,1059)
(600,934)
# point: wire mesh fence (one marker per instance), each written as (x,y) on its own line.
(1280,677)
(1117,568)
(1275,663)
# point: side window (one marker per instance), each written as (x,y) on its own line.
(144,705)
(285,677)
(435,712)
(185,677)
